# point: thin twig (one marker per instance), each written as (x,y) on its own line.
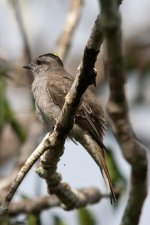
(27,49)
(42,147)
(117,108)
(73,17)
(25,150)
(17,10)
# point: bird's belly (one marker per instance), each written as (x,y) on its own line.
(49,114)
(46,109)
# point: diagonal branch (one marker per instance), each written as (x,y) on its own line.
(117,108)
(19,19)
(25,150)
(42,147)
(69,197)
(73,17)
(55,141)
(17,10)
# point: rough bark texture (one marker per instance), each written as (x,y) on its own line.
(133,151)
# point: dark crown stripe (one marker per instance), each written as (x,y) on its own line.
(52,56)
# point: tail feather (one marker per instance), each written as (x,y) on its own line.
(105,173)
(106,176)
(97,153)
(109,186)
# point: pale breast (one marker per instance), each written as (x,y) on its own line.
(46,110)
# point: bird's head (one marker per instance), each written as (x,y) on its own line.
(43,63)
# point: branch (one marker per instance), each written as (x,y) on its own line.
(55,141)
(16,6)
(117,108)
(92,195)
(19,19)
(73,17)
(26,149)
(42,147)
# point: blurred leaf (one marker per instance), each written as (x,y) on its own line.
(24,196)
(6,114)
(2,95)
(33,219)
(58,221)
(11,221)
(118,180)
(85,217)
(5,221)
(14,123)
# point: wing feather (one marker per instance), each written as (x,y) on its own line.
(89,118)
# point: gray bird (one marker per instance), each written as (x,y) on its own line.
(50,86)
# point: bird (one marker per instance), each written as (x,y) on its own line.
(51,84)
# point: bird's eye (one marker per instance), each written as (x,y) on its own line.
(38,62)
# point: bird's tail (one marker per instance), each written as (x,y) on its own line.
(105,173)
(97,154)
(108,183)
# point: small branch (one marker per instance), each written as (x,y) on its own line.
(70,198)
(73,17)
(33,205)
(27,49)
(91,195)
(117,108)
(16,6)
(26,149)
(42,147)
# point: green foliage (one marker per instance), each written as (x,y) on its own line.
(7,115)
(118,180)
(85,217)
(33,219)
(58,221)
(5,221)
(2,96)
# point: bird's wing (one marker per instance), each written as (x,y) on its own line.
(88,118)
(90,122)
(58,90)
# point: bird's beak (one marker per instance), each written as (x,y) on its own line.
(28,66)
